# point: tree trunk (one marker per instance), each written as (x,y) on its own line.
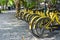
(17,4)
(6,4)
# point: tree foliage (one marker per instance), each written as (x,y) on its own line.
(2,2)
(31,3)
(9,2)
(53,1)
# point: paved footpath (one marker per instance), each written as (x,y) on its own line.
(13,29)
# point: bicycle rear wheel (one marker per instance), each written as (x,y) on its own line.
(31,25)
(40,27)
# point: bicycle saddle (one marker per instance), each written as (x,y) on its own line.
(34,10)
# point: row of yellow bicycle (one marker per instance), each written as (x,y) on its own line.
(40,23)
